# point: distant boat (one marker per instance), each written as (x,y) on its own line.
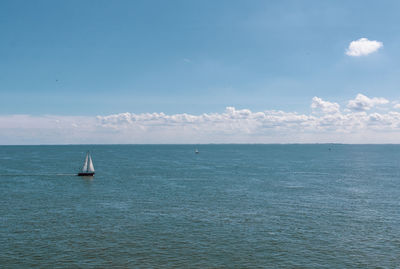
(87,168)
(196,151)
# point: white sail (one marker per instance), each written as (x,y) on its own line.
(85,165)
(91,167)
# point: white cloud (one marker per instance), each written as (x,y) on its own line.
(324,106)
(363,103)
(363,46)
(397,106)
(355,125)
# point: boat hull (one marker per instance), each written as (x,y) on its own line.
(86,174)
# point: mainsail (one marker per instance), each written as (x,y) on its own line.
(91,167)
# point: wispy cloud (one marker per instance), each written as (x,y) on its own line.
(360,123)
(363,46)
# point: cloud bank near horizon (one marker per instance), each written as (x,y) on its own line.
(364,120)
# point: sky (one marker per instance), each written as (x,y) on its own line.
(74,72)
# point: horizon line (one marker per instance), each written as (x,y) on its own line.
(194,144)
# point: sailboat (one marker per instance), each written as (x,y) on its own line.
(87,168)
(196,151)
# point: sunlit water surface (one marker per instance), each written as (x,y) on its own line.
(230,206)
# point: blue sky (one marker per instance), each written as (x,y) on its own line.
(90,58)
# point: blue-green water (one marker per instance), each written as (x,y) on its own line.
(231,206)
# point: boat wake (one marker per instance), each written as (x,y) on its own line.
(35,175)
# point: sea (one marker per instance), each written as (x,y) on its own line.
(230,206)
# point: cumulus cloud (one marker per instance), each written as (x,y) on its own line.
(363,103)
(324,106)
(358,124)
(232,120)
(362,47)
